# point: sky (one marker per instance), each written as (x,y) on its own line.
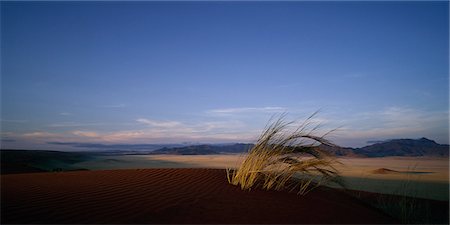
(215,72)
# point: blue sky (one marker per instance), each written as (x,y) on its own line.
(172,72)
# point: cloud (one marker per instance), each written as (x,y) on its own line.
(156,136)
(77,124)
(131,135)
(120,146)
(157,131)
(408,118)
(395,122)
(153,131)
(90,134)
(162,124)
(268,109)
(357,128)
(219,125)
(74,124)
(176,127)
(41,134)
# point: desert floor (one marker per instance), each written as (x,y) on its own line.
(422,177)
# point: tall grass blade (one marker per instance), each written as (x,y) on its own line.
(282,158)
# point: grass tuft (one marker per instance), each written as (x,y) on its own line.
(286,158)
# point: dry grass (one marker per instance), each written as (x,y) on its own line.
(286,158)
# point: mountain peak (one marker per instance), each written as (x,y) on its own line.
(426,139)
(405,147)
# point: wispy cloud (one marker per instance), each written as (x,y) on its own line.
(74,124)
(150,131)
(131,135)
(88,124)
(357,129)
(163,124)
(157,136)
(395,122)
(42,134)
(406,118)
(89,134)
(119,146)
(219,126)
(154,131)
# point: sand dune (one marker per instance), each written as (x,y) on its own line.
(167,196)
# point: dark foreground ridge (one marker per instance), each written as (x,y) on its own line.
(32,161)
(169,196)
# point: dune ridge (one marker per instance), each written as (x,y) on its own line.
(167,196)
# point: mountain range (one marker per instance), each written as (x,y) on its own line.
(404,147)
(394,147)
(205,149)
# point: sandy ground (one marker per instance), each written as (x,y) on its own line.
(169,196)
(364,167)
(438,168)
(357,172)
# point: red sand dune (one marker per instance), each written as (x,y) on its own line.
(168,196)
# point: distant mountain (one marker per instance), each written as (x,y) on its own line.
(394,147)
(339,151)
(116,148)
(205,149)
(404,147)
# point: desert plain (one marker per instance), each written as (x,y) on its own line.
(424,177)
